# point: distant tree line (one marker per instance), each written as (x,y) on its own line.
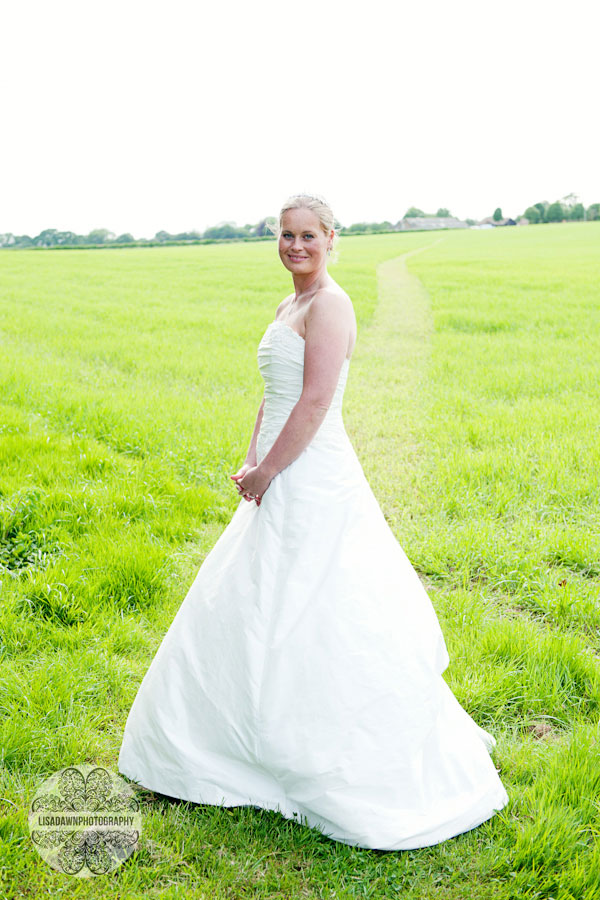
(567,209)
(102,237)
(559,211)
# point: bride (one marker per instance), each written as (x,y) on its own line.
(321,313)
(303,671)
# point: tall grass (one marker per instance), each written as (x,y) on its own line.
(129,391)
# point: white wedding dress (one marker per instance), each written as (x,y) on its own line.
(302,672)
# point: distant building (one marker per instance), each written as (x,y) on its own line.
(428,223)
(489,220)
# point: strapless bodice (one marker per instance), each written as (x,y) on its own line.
(281,363)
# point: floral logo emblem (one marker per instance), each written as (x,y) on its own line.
(85,821)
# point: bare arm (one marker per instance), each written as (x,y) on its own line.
(251,454)
(302,424)
(327,329)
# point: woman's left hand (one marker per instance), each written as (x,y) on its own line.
(253,484)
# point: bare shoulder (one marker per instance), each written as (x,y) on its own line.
(333,305)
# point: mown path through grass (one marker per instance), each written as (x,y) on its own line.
(381,405)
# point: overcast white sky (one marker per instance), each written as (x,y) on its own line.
(137,116)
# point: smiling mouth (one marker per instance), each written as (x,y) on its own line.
(297,258)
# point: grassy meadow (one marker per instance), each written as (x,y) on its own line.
(129,390)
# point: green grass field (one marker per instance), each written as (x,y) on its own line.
(129,389)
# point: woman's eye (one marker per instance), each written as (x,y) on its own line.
(309,236)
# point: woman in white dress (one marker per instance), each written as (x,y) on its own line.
(303,671)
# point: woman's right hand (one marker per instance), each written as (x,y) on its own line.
(240,474)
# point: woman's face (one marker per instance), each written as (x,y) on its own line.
(302,243)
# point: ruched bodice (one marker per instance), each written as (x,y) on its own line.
(281,364)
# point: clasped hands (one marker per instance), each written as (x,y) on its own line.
(251,482)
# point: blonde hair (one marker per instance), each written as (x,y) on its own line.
(321,209)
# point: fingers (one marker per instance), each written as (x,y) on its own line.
(242,491)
